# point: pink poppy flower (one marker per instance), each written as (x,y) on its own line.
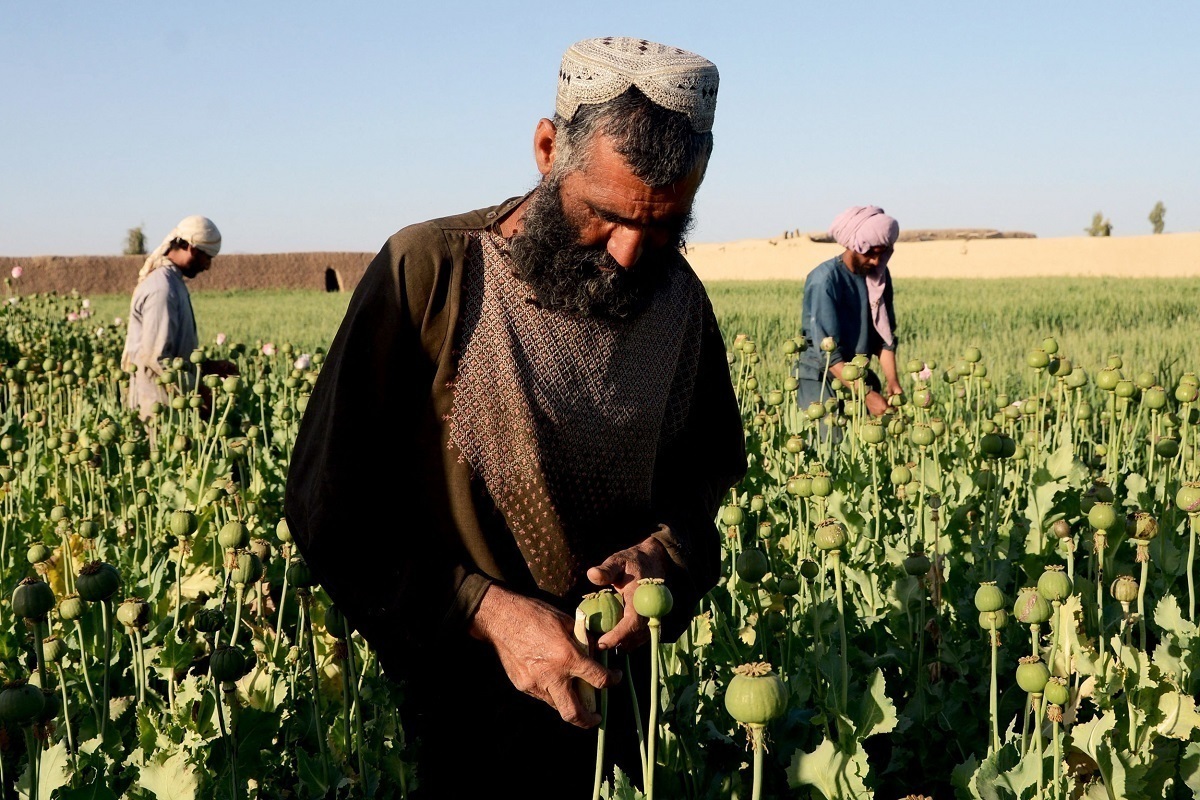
(268,349)
(221,339)
(18,271)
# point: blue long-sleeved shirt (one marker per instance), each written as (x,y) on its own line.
(836,304)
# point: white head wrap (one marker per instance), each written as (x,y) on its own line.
(597,70)
(198,231)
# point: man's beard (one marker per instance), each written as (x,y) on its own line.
(567,276)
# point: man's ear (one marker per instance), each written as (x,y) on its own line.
(544,151)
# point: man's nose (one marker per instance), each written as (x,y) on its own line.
(625,245)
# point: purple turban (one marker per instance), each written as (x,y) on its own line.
(859,228)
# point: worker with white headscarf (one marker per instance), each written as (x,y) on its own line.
(162,325)
(848,304)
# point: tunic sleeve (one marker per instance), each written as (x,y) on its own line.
(691,479)
(357,498)
(153,311)
(823,318)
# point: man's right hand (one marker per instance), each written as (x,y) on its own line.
(538,652)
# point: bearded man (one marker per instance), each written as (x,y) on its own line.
(524,404)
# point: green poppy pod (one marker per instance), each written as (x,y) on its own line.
(652,598)
(1108,378)
(791,383)
(336,623)
(828,344)
(991,445)
(755,695)
(1060,367)
(751,565)
(1186,393)
(815,410)
(183,523)
(1102,516)
(71,608)
(774,398)
(896,427)
(830,535)
(789,586)
(1031,608)
(1187,499)
(751,383)
(1115,362)
(58,513)
(299,574)
(1032,674)
(1037,358)
(790,347)
(178,403)
(1054,583)
(800,486)
(822,484)
(872,431)
(1154,398)
(917,564)
(1050,345)
(973,355)
(20,703)
(234,535)
(1125,388)
(97,581)
(914,365)
(988,597)
(227,664)
(197,356)
(900,475)
(921,435)
(1124,589)
(32,599)
(794,445)
(208,620)
(809,569)
(261,548)
(993,620)
(989,427)
(134,612)
(247,569)
(1166,447)
(950,376)
(850,373)
(732,515)
(7,474)
(1057,692)
(602,610)
(922,398)
(53,649)
(1077,378)
(37,553)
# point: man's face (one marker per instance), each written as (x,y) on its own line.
(862,263)
(594,241)
(191,261)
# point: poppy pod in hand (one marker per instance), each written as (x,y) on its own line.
(602,610)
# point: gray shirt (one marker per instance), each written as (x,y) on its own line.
(161,327)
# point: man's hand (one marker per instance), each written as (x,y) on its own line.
(893,388)
(876,404)
(622,571)
(536,647)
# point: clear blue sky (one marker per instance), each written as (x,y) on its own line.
(327,126)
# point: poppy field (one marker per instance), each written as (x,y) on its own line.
(989,593)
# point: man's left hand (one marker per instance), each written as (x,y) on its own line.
(622,571)
(893,388)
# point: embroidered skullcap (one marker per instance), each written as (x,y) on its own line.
(597,70)
(198,231)
(859,228)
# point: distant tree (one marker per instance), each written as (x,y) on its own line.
(135,242)
(1100,226)
(1156,216)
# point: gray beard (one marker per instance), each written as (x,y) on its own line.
(566,276)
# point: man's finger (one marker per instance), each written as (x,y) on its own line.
(611,571)
(628,633)
(570,707)
(595,673)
